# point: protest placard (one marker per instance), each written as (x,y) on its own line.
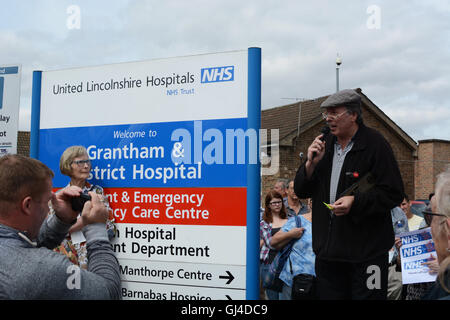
(417,248)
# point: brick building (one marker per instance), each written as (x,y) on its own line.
(299,123)
(23,143)
(433,158)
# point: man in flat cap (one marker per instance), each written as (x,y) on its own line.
(354,180)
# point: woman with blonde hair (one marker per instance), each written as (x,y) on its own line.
(75,164)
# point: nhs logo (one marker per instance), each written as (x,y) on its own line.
(217,74)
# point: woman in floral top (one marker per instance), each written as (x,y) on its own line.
(75,163)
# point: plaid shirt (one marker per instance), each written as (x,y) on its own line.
(265,233)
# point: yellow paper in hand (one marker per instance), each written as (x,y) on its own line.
(329,206)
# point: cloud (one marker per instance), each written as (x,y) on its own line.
(402,66)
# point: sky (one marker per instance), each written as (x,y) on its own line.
(397,52)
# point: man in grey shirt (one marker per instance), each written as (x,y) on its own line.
(29,269)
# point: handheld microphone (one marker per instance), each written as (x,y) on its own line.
(325,130)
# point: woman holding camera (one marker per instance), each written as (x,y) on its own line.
(75,164)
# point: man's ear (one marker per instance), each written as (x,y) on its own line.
(26,205)
(354,116)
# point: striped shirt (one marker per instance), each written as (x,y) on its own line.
(338,161)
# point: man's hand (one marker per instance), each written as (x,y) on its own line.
(432,264)
(94,211)
(315,153)
(343,205)
(62,205)
(398,243)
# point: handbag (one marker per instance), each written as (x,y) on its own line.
(303,287)
(271,279)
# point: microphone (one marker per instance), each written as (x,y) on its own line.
(325,130)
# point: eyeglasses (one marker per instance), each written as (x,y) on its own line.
(332,117)
(82,163)
(275,203)
(430,215)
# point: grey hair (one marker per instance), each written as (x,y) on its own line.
(443,207)
(443,192)
(67,157)
(284,182)
(355,108)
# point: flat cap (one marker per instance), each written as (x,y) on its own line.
(342,98)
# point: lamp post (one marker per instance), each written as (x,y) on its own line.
(338,63)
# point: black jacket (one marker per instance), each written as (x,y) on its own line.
(366,231)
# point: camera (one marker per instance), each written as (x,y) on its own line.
(78,202)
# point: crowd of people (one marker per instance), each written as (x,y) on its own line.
(278,228)
(359,209)
(344,238)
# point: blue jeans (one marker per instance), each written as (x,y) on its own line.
(286,292)
(271,294)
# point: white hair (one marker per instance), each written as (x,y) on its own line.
(443,192)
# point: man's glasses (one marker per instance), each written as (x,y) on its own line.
(332,117)
(82,163)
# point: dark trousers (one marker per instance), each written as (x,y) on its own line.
(357,281)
